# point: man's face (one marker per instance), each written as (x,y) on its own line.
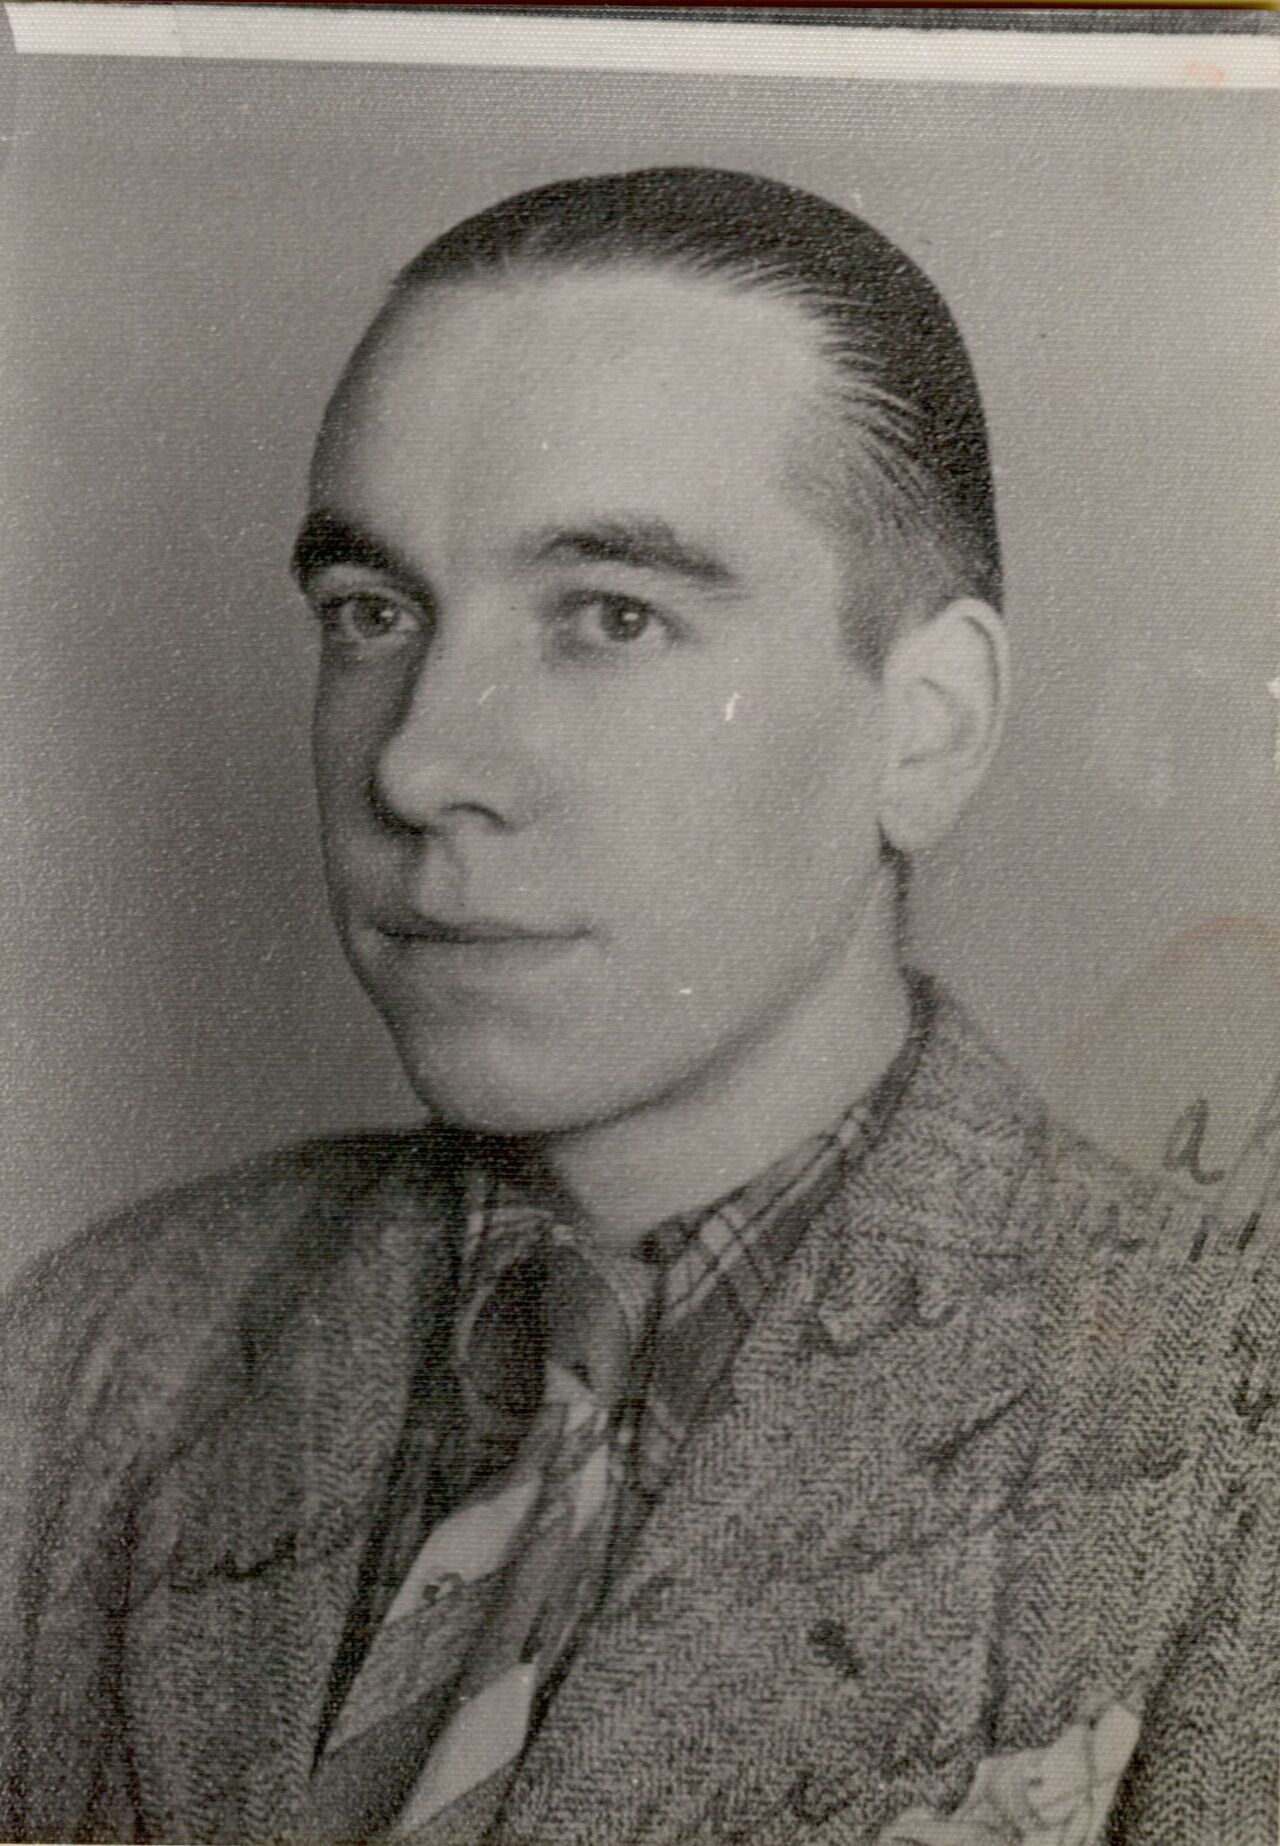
(598,778)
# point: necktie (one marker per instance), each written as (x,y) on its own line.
(491,1604)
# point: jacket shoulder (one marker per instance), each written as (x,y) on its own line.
(1161,1325)
(114,1320)
(188,1244)
(978,1142)
(1182,1292)
(1094,1204)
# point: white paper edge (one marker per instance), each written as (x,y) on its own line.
(1123,60)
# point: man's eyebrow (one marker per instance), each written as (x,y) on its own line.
(642,544)
(326,539)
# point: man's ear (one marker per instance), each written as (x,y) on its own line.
(945,686)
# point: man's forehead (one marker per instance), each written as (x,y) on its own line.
(519,334)
(572,390)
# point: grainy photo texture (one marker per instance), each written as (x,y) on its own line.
(727,573)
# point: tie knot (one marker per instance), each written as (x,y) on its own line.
(550,1297)
(597,1306)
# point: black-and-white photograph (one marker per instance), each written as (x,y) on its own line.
(640,1199)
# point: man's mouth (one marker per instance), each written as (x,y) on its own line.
(475,931)
(462,960)
(476,958)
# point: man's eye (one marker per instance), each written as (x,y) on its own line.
(600,621)
(366,622)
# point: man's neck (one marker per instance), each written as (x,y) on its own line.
(682,1154)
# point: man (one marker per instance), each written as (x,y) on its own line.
(740,1416)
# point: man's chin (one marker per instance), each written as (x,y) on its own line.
(508,1096)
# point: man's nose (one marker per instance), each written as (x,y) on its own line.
(460,748)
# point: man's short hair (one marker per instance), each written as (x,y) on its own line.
(915,480)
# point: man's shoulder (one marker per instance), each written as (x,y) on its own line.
(211,1221)
(1096,1200)
(159,1278)
(1147,1299)
(1177,1285)
(1035,1189)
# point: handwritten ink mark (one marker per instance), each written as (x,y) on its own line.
(1262,1136)
(910,1314)
(1185,1145)
(1184,1150)
(1249,1229)
(813,1799)
(1253,1411)
(292,1550)
(1252,1407)
(830,1641)
(650,1598)
(1109,1472)
(941,1458)
(1109,1236)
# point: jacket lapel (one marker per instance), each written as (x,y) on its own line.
(259,1524)
(805,1629)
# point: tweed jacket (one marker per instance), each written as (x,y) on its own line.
(999,1451)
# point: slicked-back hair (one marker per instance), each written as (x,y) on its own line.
(908,473)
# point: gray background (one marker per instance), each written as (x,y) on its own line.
(186,254)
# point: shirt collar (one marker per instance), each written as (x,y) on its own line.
(718,1264)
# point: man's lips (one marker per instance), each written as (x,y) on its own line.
(476,931)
